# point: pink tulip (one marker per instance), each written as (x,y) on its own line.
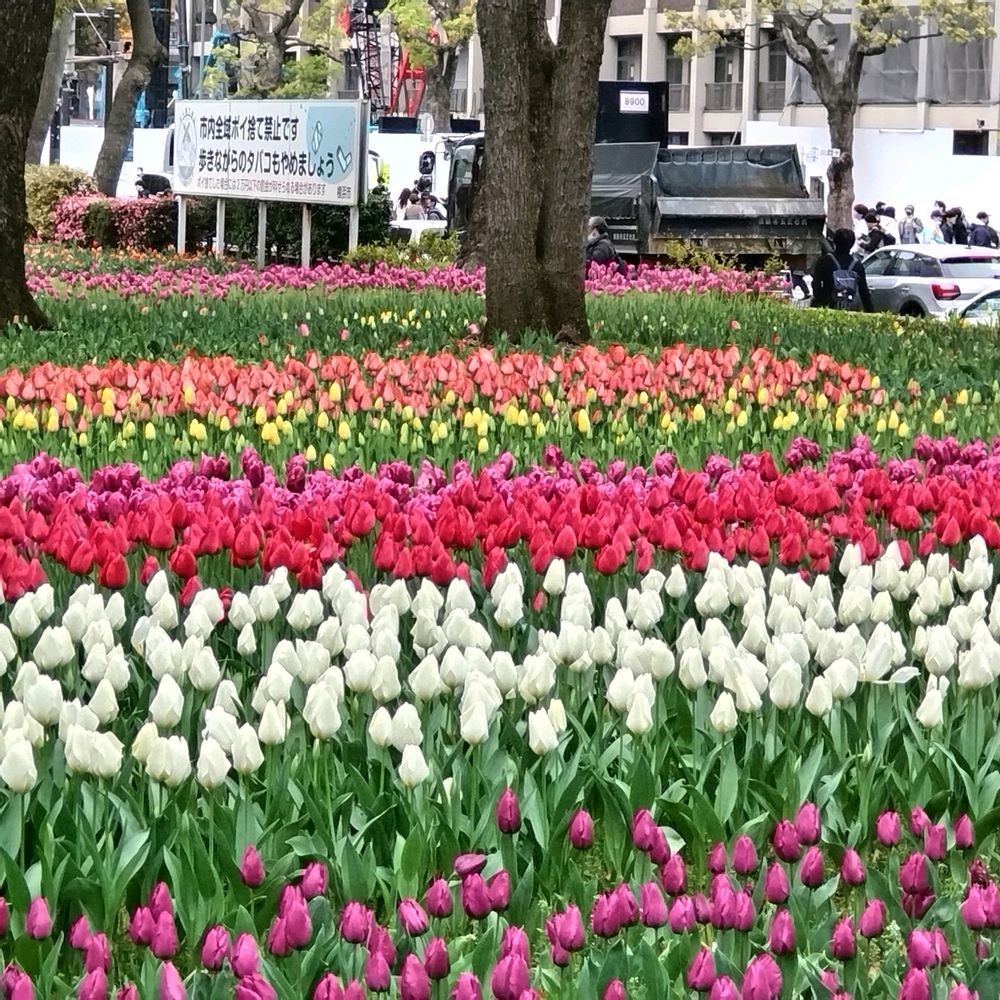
(581,830)
(498,889)
(254,987)
(615,990)
(515,942)
(164,941)
(509,978)
(919,821)
(852,869)
(469,864)
(887,828)
(93,986)
(171,986)
(328,988)
(913,874)
(935,841)
(37,921)
(277,938)
(141,926)
(508,812)
(215,946)
(682,915)
(872,921)
(761,979)
(807,823)
(973,910)
(775,883)
(414,983)
(673,875)
(915,986)
(965,836)
(379,940)
(436,961)
(652,908)
(744,856)
(781,937)
(962,992)
(244,957)
(717,858)
(842,943)
(159,901)
(97,953)
(701,971)
(626,907)
(79,933)
(314,880)
(251,867)
(412,917)
(353,990)
(4,916)
(785,841)
(437,898)
(127,992)
(723,989)
(466,988)
(17,984)
(378,975)
(355,922)
(811,868)
(475,897)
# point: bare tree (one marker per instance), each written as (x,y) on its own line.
(808,29)
(540,101)
(25,27)
(147,53)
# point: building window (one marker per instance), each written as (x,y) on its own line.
(677,138)
(676,65)
(729,63)
(971,144)
(724,138)
(630,58)
(777,60)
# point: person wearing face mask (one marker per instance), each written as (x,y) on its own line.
(910,227)
(600,249)
(982,234)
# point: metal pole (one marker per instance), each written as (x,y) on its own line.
(109,66)
(220,227)
(261,234)
(306,235)
(182,223)
(353,225)
(183,50)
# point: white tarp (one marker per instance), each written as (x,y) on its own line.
(301,151)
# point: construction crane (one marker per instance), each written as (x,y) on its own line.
(365,27)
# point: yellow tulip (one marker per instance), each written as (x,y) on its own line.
(82,440)
(893,420)
(269,433)
(334,392)
(344,430)
(698,413)
(310,453)
(880,426)
(763,396)
(903,430)
(821,401)
(962,397)
(128,431)
(52,421)
(260,416)
(108,408)
(482,446)
(196,429)
(149,432)
(225,424)
(407,413)
(938,417)
(741,418)
(71,403)
(582,421)
(322,420)
(329,462)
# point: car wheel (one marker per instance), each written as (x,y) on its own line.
(912,309)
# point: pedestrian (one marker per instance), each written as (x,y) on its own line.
(839,278)
(404,200)
(937,228)
(887,220)
(600,249)
(877,236)
(861,211)
(940,207)
(413,212)
(910,227)
(959,227)
(433,210)
(982,234)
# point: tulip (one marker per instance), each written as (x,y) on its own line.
(643,830)
(4,916)
(701,971)
(498,889)
(466,988)
(379,940)
(171,986)
(723,989)
(785,841)
(781,936)
(852,869)
(508,812)
(935,841)
(811,868)
(97,953)
(942,953)
(355,922)
(919,821)
(744,857)
(682,915)
(509,978)
(254,987)
(775,883)
(37,921)
(962,992)
(605,920)
(17,984)
(887,828)
(378,975)
(412,917)
(915,986)
(615,990)
(163,943)
(761,979)
(973,909)
(745,912)
(515,942)
(298,923)
(141,926)
(652,908)
(328,988)
(244,958)
(93,986)
(436,960)
(437,898)
(314,880)
(469,864)
(569,929)
(913,874)
(475,897)
(251,867)
(842,943)
(277,938)
(807,823)
(215,946)
(79,933)
(916,904)
(872,921)
(413,768)
(581,830)
(964,835)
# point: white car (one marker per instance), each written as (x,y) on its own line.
(983,310)
(930,279)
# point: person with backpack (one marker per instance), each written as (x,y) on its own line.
(982,234)
(600,248)
(839,279)
(877,236)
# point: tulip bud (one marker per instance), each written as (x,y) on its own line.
(93,986)
(97,953)
(807,823)
(37,921)
(79,933)
(466,988)
(328,988)
(437,898)
(915,985)
(872,921)
(935,841)
(475,897)
(717,858)
(744,858)
(811,868)
(962,992)
(436,961)
(682,916)
(509,979)
(887,829)
(251,867)
(701,971)
(508,812)
(498,888)
(215,946)
(852,869)
(163,943)
(964,834)
(781,936)
(581,830)
(652,907)
(244,958)
(913,874)
(615,990)
(785,841)
(724,989)
(4,916)
(919,821)
(412,917)
(314,880)
(171,986)
(775,884)
(973,909)
(469,864)
(842,943)
(141,926)
(378,975)
(761,979)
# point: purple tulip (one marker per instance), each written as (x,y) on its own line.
(962,992)
(93,986)
(811,868)
(919,821)
(673,875)
(682,915)
(251,867)
(652,907)
(171,986)
(872,921)
(615,990)
(807,823)
(852,869)
(744,856)
(379,940)
(466,988)
(244,959)
(298,923)
(328,988)
(38,921)
(915,986)
(79,933)
(509,978)
(842,943)
(469,864)
(141,926)
(643,830)
(215,947)
(437,898)
(355,922)
(942,953)
(475,897)
(515,942)
(717,858)
(254,987)
(498,889)
(965,836)
(913,874)
(164,940)
(378,975)
(887,830)
(414,983)
(436,961)
(723,989)
(159,901)
(604,918)
(581,830)
(785,841)
(973,909)
(775,883)
(97,953)
(781,936)
(935,841)
(761,979)
(701,971)
(412,917)
(314,880)
(277,938)
(508,812)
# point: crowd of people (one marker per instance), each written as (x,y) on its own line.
(418,204)
(878,227)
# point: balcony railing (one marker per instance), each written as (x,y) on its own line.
(458,102)
(724,96)
(679,97)
(771,95)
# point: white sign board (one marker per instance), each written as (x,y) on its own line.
(633,102)
(301,151)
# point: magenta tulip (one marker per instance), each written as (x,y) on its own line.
(673,875)
(508,812)
(973,910)
(775,883)
(625,905)
(652,907)
(469,864)
(659,852)
(991,904)
(852,868)
(38,921)
(785,841)
(913,876)
(842,943)
(872,921)
(353,990)
(509,978)
(962,992)
(581,830)
(93,986)
(171,986)
(298,923)
(515,942)
(79,933)
(436,960)
(935,841)
(437,898)
(920,949)
(251,867)
(475,897)
(682,915)
(379,940)
(781,936)
(412,917)
(141,925)
(164,941)
(942,953)
(466,988)
(746,912)
(717,858)
(314,880)
(807,823)
(643,830)
(17,984)
(915,986)
(159,901)
(615,990)
(811,868)
(701,971)
(378,975)
(355,922)
(744,855)
(328,988)
(723,989)
(254,987)
(244,959)
(215,946)
(570,930)
(97,953)
(919,821)
(414,983)
(604,918)
(887,828)
(761,979)
(916,904)
(965,836)
(498,889)
(277,938)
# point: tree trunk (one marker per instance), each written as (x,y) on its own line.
(48,99)
(25,26)
(439,81)
(471,251)
(261,70)
(840,173)
(146,55)
(540,103)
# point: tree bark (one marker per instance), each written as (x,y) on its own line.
(261,70)
(25,27)
(840,173)
(146,55)
(439,81)
(48,98)
(540,103)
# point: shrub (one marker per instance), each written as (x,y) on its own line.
(67,218)
(45,187)
(433,249)
(99,223)
(131,223)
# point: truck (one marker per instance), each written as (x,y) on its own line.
(746,202)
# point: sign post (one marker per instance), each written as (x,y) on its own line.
(307,152)
(220,227)
(261,234)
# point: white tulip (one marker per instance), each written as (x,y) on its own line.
(263,603)
(942,650)
(600,648)
(43,700)
(882,607)
(459,596)
(380,727)
(842,676)
(692,670)
(226,697)
(18,769)
(557,715)
(777,586)
(143,742)
(385,642)
(620,689)
(542,736)
(785,689)
(333,580)
(852,558)
(755,639)
(213,764)
(974,670)
(322,711)
(946,596)
(538,677)
(221,727)
(714,636)
(887,574)
(554,582)
(425,679)
(676,585)
(406,728)
(615,619)
(157,587)
(209,600)
(106,755)
(503,672)
(97,633)
(712,599)
(306,611)
(877,661)
(24,619)
(75,621)
(360,670)
(821,611)
(178,761)
(314,660)
(385,683)
(739,587)
(745,690)
(240,611)
(723,716)
(145,634)
(279,583)
(246,641)
(640,715)
(474,726)
(167,705)
(930,712)
(277,684)
(205,672)
(819,701)
(509,610)
(78,749)
(855,607)
(454,668)
(274,724)
(247,754)
(164,612)
(413,768)
(103,702)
